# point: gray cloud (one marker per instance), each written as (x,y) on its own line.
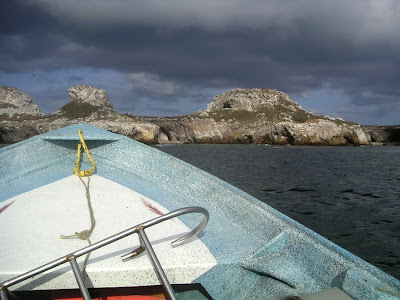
(358,16)
(178,49)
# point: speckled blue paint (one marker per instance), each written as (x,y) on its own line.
(261,253)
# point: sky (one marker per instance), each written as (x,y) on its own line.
(166,58)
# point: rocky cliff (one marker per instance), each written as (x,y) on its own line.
(14,102)
(383,134)
(89,95)
(260,116)
(238,116)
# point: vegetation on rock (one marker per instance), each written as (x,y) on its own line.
(75,110)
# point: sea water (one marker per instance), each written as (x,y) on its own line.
(350,195)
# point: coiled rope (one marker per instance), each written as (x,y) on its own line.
(84,234)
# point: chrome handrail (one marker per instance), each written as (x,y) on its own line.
(144,245)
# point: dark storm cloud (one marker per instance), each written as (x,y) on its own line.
(23,17)
(183,47)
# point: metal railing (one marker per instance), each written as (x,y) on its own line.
(144,245)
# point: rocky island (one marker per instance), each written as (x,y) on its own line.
(238,116)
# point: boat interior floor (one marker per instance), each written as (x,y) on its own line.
(188,291)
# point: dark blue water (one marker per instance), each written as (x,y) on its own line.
(350,195)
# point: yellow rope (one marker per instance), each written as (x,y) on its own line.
(77,167)
(84,234)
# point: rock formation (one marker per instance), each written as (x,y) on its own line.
(14,102)
(383,134)
(268,116)
(90,95)
(86,102)
(238,116)
(253,100)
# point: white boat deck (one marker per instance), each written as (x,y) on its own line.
(35,220)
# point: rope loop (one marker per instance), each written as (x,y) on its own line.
(83,235)
(77,167)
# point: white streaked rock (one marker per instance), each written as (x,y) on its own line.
(15,102)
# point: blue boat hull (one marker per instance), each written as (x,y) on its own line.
(260,253)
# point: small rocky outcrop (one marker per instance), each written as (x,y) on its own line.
(270,116)
(86,102)
(90,95)
(15,102)
(253,100)
(268,104)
